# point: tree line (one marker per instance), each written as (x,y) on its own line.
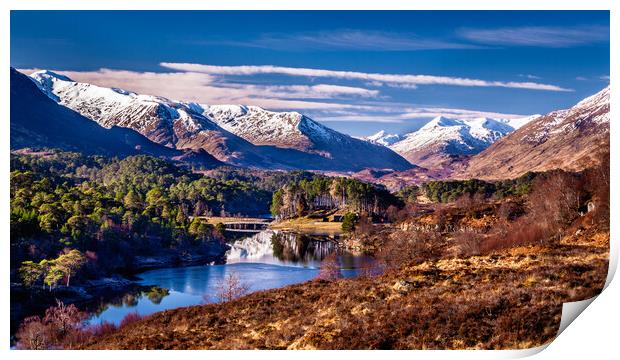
(298,198)
(110,210)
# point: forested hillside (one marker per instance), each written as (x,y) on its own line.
(116,208)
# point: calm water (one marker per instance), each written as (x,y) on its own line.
(262,261)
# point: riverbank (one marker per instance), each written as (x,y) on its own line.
(88,294)
(308,225)
(507,299)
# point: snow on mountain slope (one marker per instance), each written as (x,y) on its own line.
(383,138)
(519,122)
(569,139)
(239,135)
(39,121)
(152,116)
(292,130)
(446,139)
(262,127)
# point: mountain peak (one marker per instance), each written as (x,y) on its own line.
(48,74)
(383,138)
(442,121)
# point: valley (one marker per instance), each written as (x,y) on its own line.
(162,224)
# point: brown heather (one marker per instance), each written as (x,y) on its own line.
(454,277)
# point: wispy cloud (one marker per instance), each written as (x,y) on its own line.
(605,77)
(540,36)
(464,114)
(347,39)
(530,76)
(206,89)
(247,70)
(581,78)
(416,113)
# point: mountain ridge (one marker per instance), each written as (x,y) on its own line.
(237,135)
(38,121)
(570,139)
(444,140)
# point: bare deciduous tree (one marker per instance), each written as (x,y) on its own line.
(231,287)
(330,268)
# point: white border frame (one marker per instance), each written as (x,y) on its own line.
(600,326)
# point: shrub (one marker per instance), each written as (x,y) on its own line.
(404,247)
(34,334)
(130,318)
(61,327)
(467,243)
(348,222)
(330,268)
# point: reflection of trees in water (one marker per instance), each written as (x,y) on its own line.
(303,248)
(157,294)
(131,298)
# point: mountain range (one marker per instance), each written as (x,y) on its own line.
(383,138)
(234,134)
(445,140)
(51,110)
(38,121)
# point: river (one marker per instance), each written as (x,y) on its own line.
(265,260)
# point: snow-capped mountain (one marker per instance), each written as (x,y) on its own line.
(38,121)
(567,139)
(383,138)
(443,138)
(238,135)
(169,123)
(295,131)
(262,127)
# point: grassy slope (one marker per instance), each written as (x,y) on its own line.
(510,299)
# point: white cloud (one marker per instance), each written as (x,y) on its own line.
(530,76)
(346,39)
(581,78)
(204,88)
(605,77)
(539,36)
(246,70)
(417,113)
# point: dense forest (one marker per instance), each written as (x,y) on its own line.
(445,191)
(111,210)
(298,198)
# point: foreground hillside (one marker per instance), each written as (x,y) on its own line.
(507,299)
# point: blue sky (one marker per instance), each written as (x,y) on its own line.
(355,71)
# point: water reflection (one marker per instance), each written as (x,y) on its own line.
(265,260)
(290,248)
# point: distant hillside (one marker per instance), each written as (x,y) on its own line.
(569,139)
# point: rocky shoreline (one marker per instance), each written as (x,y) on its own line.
(89,293)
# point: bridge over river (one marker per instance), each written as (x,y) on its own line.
(239,224)
(242,225)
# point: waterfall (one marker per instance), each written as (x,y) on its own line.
(251,248)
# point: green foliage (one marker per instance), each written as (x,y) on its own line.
(116,208)
(348,222)
(326,193)
(448,191)
(31,273)
(51,272)
(409,193)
